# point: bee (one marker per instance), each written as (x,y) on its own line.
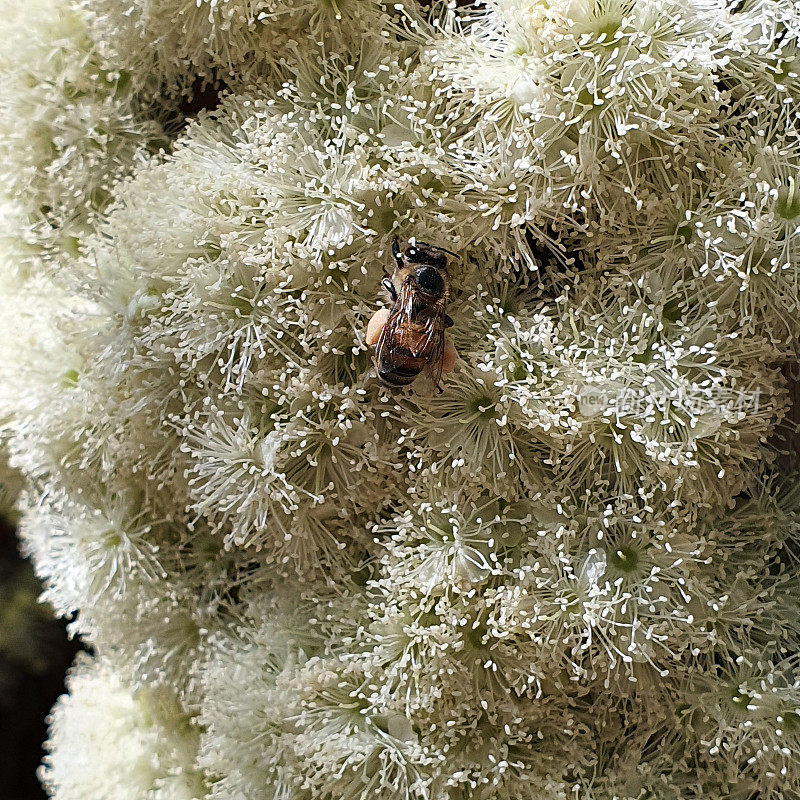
(410,336)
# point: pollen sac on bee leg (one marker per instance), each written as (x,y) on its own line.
(449,357)
(375,325)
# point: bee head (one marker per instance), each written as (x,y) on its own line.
(423,253)
(425,264)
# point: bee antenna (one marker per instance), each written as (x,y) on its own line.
(450,252)
(396,251)
(443,249)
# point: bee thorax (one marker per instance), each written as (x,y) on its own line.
(429,280)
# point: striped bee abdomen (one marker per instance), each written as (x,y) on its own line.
(400,367)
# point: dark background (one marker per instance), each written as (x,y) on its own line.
(34,655)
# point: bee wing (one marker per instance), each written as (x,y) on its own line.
(395,330)
(420,335)
(433,343)
(424,337)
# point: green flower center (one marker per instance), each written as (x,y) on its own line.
(787,206)
(739,700)
(441,528)
(99,198)
(624,559)
(685,232)
(517,371)
(572,604)
(645,357)
(791,721)
(672,310)
(333,276)
(112,538)
(474,637)
(211,251)
(591,103)
(483,407)
(781,71)
(608,29)
(242,305)
(69,380)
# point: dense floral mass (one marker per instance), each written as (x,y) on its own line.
(572,574)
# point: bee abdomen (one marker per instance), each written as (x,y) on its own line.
(398,375)
(393,373)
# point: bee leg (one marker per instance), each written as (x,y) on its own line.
(398,256)
(389,286)
(448,321)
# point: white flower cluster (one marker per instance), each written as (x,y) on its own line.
(572,574)
(68,129)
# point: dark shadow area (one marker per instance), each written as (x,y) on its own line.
(34,656)
(203,95)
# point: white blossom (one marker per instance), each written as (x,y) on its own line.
(571,574)
(107,738)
